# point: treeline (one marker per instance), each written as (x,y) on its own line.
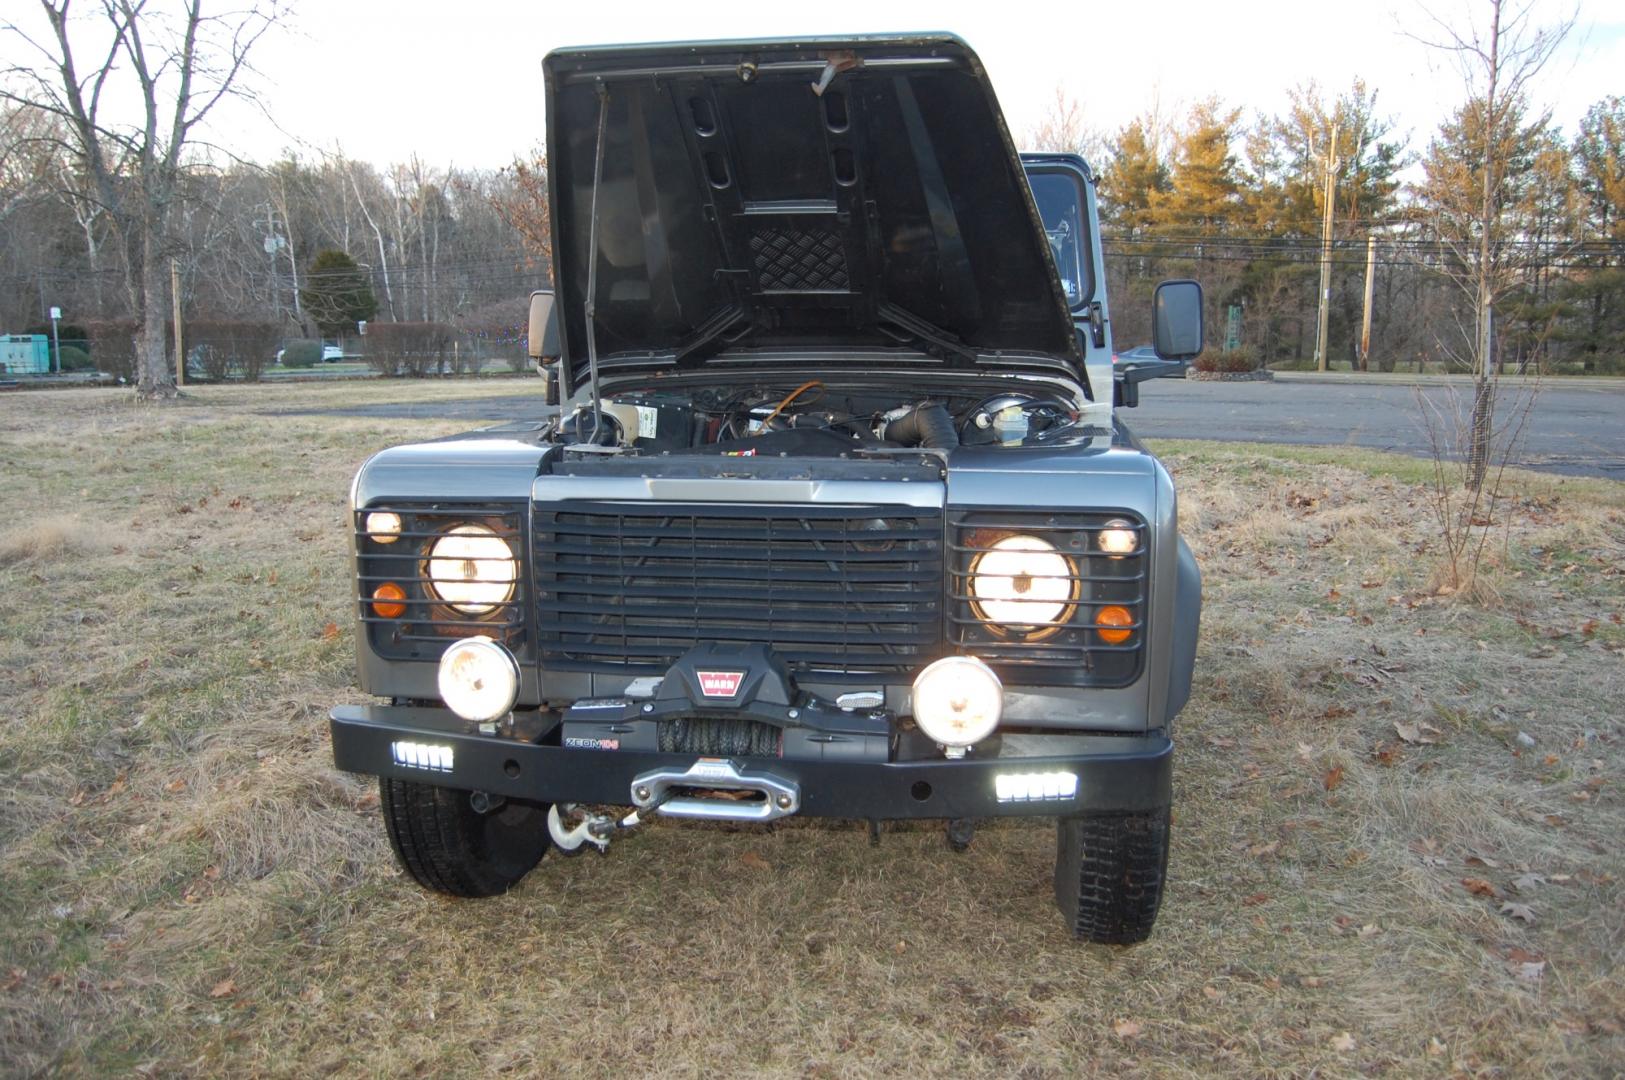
(307,246)
(260,244)
(1240,205)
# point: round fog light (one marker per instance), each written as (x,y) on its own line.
(479,679)
(958,701)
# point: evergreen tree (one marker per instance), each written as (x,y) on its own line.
(1134,176)
(1595,292)
(337,292)
(1204,192)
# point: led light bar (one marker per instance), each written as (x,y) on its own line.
(426,756)
(1036,787)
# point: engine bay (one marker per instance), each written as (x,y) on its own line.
(810,419)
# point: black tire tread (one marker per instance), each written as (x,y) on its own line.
(436,835)
(1109,874)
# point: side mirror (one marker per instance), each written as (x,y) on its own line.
(544,326)
(1177,320)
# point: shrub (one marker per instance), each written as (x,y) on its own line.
(73,358)
(228,346)
(301,353)
(410,348)
(1229,361)
(112,343)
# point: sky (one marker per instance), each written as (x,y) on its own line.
(460,83)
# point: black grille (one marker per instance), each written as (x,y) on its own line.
(842,593)
(428,624)
(1068,650)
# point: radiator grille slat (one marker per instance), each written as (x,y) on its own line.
(843,593)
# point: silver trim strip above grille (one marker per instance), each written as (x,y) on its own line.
(734,489)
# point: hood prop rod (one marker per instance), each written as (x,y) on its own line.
(592,267)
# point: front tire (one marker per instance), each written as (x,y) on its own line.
(1109,873)
(447,846)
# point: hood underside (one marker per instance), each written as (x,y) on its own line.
(856,195)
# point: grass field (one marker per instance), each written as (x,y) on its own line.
(1398,818)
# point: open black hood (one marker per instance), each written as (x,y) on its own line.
(856,197)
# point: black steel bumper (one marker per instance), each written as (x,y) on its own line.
(1114,773)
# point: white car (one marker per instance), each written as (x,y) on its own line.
(331,354)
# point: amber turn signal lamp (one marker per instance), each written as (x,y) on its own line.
(1109,620)
(389,600)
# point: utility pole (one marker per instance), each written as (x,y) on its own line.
(180,346)
(1332,164)
(1370,291)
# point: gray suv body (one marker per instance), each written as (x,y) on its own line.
(836,517)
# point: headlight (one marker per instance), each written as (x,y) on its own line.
(957,702)
(472,569)
(1021,583)
(479,679)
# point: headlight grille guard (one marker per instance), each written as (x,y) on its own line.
(1068,651)
(429,624)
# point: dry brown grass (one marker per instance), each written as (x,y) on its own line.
(188,888)
(45,538)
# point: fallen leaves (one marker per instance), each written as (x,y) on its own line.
(330,632)
(1343,1042)
(1418,734)
(1525,965)
(223,988)
(1126,1029)
(754,861)
(1333,778)
(1480,887)
(1522,912)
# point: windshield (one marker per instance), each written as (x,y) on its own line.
(1057,196)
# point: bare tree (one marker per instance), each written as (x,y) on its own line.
(520,198)
(1473,210)
(1064,130)
(179,64)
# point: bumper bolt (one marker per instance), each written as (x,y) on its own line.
(784,802)
(641,794)
(648,708)
(794,714)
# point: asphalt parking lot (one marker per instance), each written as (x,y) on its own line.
(1573,427)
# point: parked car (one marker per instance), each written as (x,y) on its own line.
(838,517)
(331,354)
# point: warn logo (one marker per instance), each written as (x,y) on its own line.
(720,683)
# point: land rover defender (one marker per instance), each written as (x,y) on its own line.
(835,515)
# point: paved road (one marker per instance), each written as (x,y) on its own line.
(1573,429)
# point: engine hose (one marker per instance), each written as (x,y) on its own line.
(926,425)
